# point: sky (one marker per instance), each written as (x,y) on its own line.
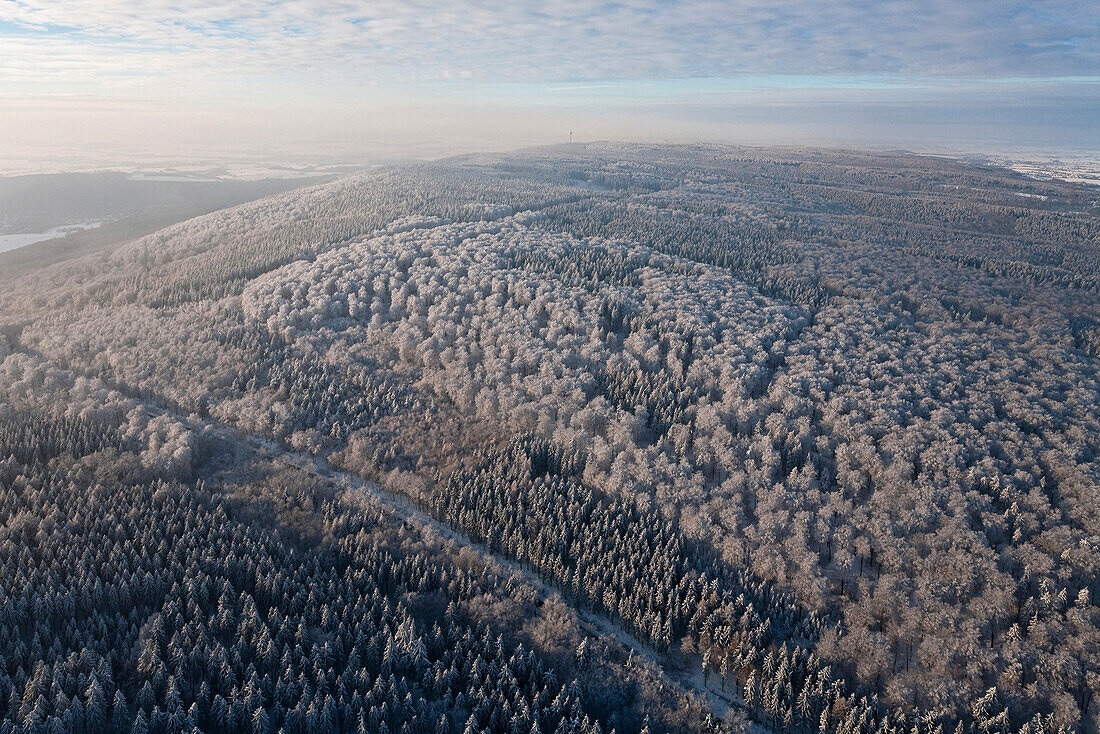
(340,81)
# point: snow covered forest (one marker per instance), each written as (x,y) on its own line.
(573,439)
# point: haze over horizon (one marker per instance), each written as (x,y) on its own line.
(322,81)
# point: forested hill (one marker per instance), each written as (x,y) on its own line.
(821,428)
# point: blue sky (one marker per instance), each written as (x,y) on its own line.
(174,76)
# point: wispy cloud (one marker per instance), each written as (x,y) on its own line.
(389,41)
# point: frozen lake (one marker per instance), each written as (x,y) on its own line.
(15,241)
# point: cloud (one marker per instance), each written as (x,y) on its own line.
(555,41)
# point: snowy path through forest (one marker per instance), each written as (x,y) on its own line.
(688,678)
